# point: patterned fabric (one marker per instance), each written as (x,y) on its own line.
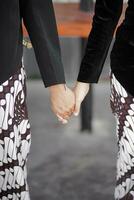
(122,104)
(15,138)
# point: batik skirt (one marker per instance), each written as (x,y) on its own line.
(15,138)
(122,105)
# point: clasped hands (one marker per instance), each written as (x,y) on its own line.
(66,102)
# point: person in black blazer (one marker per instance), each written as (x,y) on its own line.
(105,19)
(15,133)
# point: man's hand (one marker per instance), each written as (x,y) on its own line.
(62,101)
(80,90)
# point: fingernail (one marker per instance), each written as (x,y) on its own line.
(76,114)
(59,117)
(65,122)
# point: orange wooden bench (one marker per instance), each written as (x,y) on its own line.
(71,21)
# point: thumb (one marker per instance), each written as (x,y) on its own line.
(77,108)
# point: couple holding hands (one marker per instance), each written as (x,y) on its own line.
(39,19)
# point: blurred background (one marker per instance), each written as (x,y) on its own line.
(75,161)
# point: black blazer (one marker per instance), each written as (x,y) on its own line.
(107,14)
(39,19)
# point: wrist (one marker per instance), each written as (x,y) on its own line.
(78,83)
(57,87)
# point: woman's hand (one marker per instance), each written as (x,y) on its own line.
(62,101)
(80,91)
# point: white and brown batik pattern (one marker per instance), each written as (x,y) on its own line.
(122,105)
(15,138)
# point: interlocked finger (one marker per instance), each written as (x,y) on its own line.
(61,119)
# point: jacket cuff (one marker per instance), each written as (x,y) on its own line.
(88,74)
(53,82)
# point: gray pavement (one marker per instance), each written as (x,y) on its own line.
(65,164)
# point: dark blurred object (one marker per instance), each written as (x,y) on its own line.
(86,5)
(87,112)
(87,104)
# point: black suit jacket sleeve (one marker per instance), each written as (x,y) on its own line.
(107,13)
(39,19)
